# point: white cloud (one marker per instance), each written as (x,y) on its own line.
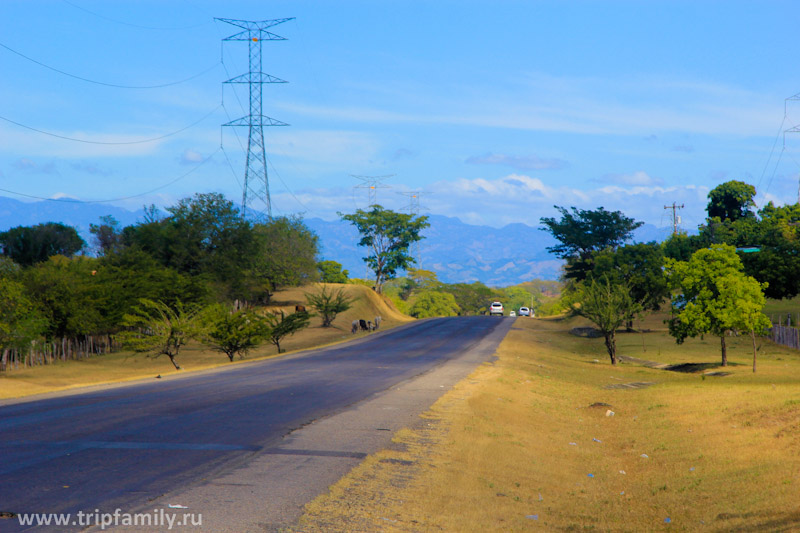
(579,105)
(191,157)
(513,198)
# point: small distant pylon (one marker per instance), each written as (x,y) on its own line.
(372,184)
(256,184)
(413,208)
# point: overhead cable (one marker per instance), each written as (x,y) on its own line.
(116,85)
(98,15)
(142,141)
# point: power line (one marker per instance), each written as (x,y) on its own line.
(151,191)
(107,143)
(98,15)
(105,84)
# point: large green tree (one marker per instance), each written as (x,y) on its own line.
(64,291)
(285,256)
(731,200)
(28,245)
(332,272)
(20,321)
(640,267)
(427,304)
(713,296)
(471,298)
(387,235)
(202,236)
(581,233)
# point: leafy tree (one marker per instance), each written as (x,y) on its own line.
(640,267)
(63,290)
(286,254)
(329,303)
(515,297)
(471,298)
(123,278)
(429,304)
(582,233)
(160,329)
(388,236)
(107,235)
(681,246)
(424,279)
(712,296)
(731,200)
(233,332)
(203,236)
(282,325)
(331,272)
(20,322)
(748,301)
(28,245)
(608,304)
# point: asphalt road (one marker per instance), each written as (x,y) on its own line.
(126,446)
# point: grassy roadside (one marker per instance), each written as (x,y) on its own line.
(523,443)
(127,366)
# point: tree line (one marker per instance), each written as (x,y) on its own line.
(715,281)
(58,301)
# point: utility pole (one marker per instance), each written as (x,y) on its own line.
(676,219)
(372,184)
(256,184)
(413,208)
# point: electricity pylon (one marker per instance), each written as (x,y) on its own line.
(413,208)
(256,184)
(372,184)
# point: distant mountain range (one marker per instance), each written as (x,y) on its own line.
(456,251)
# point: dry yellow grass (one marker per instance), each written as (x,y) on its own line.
(126,366)
(518,445)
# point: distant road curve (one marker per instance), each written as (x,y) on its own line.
(125,446)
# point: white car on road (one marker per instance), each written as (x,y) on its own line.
(496,309)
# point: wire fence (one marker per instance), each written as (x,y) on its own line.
(783,333)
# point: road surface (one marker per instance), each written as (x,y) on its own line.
(125,447)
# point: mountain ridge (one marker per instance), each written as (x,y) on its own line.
(456,251)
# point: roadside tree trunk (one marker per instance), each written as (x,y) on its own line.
(724,348)
(611,346)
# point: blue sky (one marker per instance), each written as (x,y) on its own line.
(496,110)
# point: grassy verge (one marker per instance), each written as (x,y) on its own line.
(526,443)
(127,366)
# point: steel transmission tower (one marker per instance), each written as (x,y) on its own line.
(372,184)
(256,184)
(413,208)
